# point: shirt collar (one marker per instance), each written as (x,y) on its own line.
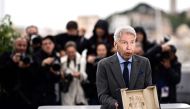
(121,60)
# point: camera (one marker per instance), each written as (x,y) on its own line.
(56,65)
(66,83)
(167,38)
(35,39)
(26,59)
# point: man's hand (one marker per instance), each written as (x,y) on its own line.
(47,61)
(165,47)
(16,57)
(91,59)
(23,65)
(76,74)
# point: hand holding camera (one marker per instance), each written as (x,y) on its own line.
(23,60)
(165,47)
(16,57)
(91,59)
(47,61)
(76,74)
(21,64)
(54,63)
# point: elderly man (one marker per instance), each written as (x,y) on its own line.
(122,70)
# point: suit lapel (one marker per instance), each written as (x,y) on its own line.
(116,70)
(134,72)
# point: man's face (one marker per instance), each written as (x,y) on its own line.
(32,31)
(101,51)
(21,45)
(48,46)
(71,52)
(125,45)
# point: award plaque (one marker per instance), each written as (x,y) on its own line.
(140,99)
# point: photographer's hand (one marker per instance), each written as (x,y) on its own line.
(21,64)
(76,74)
(91,59)
(165,47)
(47,61)
(62,75)
(16,57)
(54,72)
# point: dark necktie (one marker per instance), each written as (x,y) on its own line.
(126,74)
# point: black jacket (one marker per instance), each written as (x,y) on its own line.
(16,83)
(63,38)
(45,89)
(168,78)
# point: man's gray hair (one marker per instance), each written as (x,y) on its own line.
(124,30)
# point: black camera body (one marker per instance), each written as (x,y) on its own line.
(166,39)
(56,65)
(66,83)
(25,58)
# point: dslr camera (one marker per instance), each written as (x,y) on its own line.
(66,83)
(25,58)
(56,65)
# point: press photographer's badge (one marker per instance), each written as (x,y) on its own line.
(164,91)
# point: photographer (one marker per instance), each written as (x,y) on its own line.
(74,66)
(150,49)
(16,77)
(48,64)
(168,75)
(30,31)
(34,39)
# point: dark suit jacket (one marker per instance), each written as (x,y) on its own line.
(109,78)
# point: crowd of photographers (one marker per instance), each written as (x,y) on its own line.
(61,69)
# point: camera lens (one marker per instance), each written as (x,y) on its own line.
(56,65)
(25,59)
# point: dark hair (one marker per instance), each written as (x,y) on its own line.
(50,38)
(145,41)
(37,40)
(103,24)
(72,25)
(173,48)
(102,43)
(70,44)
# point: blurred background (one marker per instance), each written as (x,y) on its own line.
(161,19)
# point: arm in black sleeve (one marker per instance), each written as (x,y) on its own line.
(153,51)
(175,73)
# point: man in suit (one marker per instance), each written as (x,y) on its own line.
(122,70)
